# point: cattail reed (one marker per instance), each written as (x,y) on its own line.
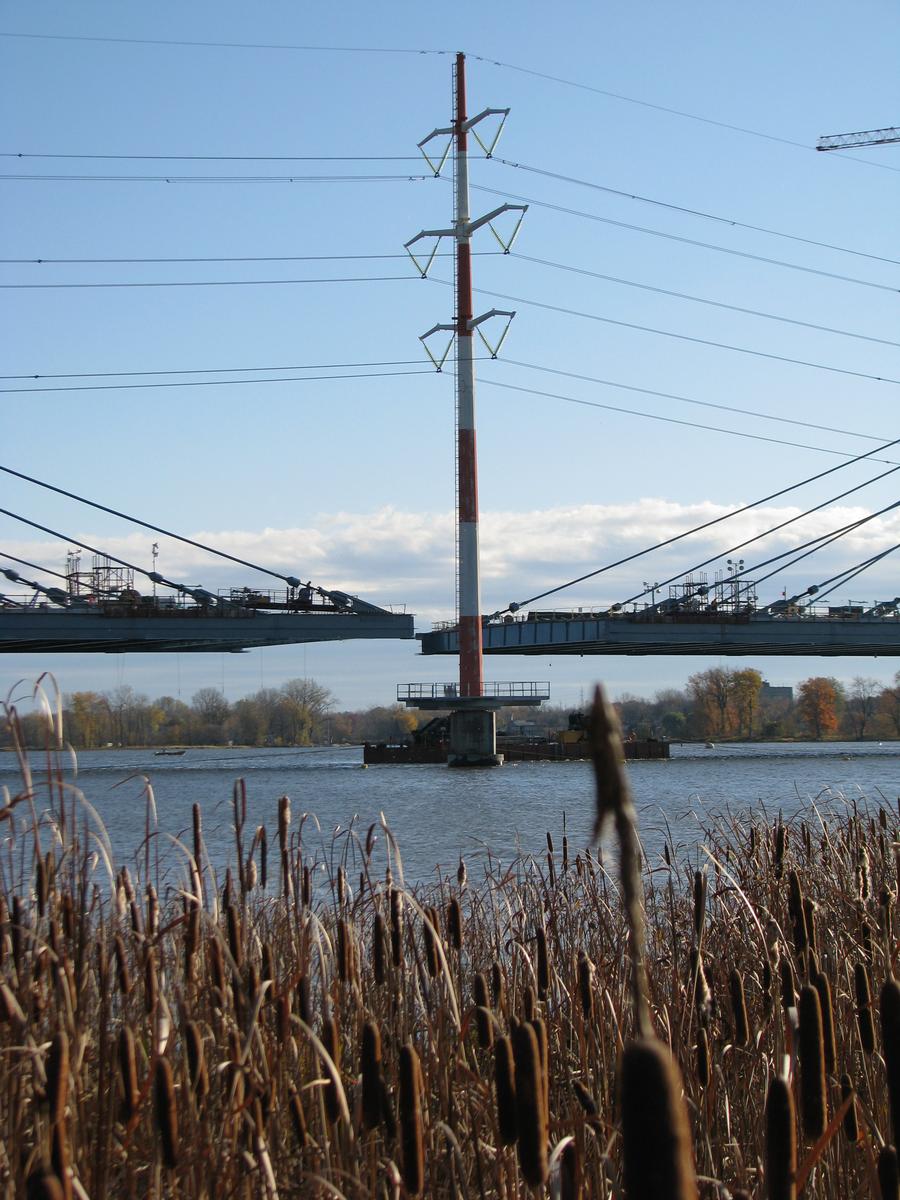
(123,974)
(235,935)
(331,1042)
(429,941)
(543,965)
(128,1078)
(786,974)
(480,994)
(864,1018)
(738,1008)
(370,1061)
(851,1120)
(498,987)
(780,848)
(570,1168)
(890,1041)
(484,1026)
(813,1094)
(797,911)
(781,1142)
(396,927)
(584,1098)
(889,1173)
(655,1134)
(585,972)
(454,924)
(699,904)
(165,1112)
(531,1119)
(378,936)
(703,1059)
(411,1130)
(44,1184)
(196,1061)
(823,987)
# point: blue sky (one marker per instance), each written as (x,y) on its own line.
(350,481)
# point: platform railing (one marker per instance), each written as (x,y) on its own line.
(500,690)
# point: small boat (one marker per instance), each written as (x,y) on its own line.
(710,746)
(170,753)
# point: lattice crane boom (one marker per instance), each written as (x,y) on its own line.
(870,137)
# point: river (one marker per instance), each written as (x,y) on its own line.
(438,814)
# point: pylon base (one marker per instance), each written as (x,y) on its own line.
(473,739)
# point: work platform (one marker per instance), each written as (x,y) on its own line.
(29,630)
(645,632)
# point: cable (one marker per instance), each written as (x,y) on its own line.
(659,291)
(692,212)
(675,112)
(632,412)
(746,412)
(221,157)
(514,607)
(400,362)
(126,41)
(254,258)
(759,537)
(208,283)
(674,237)
(34,566)
(135,521)
(125,387)
(681,337)
(847,576)
(216,178)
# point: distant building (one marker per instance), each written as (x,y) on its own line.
(775,695)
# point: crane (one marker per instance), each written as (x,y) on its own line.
(870,137)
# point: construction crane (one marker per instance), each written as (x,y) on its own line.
(870,137)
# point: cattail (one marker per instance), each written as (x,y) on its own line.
(411,1134)
(797,912)
(165,1112)
(378,963)
(484,1026)
(344,951)
(655,1134)
(809,918)
(889,1173)
(823,987)
(216,964)
(235,938)
(530,1108)
(480,996)
(739,1008)
(780,848)
(429,938)
(461,873)
(298,1118)
(539,1025)
(331,1042)
(197,822)
(766,986)
(851,1121)
(44,1184)
(788,995)
(585,971)
(41,885)
(498,987)
(699,904)
(584,1098)
(569,1167)
(152,911)
(703,1061)
(864,1018)
(866,935)
(890,1042)
(128,1073)
(529,1004)
(59,1157)
(122,972)
(700,988)
(58,1077)
(396,927)
(454,924)
(781,1142)
(370,1060)
(151,982)
(306,889)
(551,869)
(196,1058)
(813,1103)
(191,937)
(304,1003)
(543,966)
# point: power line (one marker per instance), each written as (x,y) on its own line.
(745,412)
(219,157)
(246,258)
(631,412)
(127,41)
(675,112)
(112,387)
(850,574)
(209,283)
(674,237)
(693,212)
(706,525)
(216,178)
(410,362)
(33,566)
(659,291)
(681,337)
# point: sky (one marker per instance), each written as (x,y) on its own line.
(661,149)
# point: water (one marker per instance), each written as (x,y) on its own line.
(437,814)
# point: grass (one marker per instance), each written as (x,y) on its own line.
(277,1031)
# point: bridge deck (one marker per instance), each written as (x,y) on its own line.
(29,630)
(634,634)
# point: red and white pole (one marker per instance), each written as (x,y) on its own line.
(471,670)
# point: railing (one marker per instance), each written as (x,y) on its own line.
(501,690)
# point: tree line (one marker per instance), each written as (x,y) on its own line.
(719,703)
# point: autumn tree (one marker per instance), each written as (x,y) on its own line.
(818,702)
(889,704)
(712,693)
(745,688)
(862,704)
